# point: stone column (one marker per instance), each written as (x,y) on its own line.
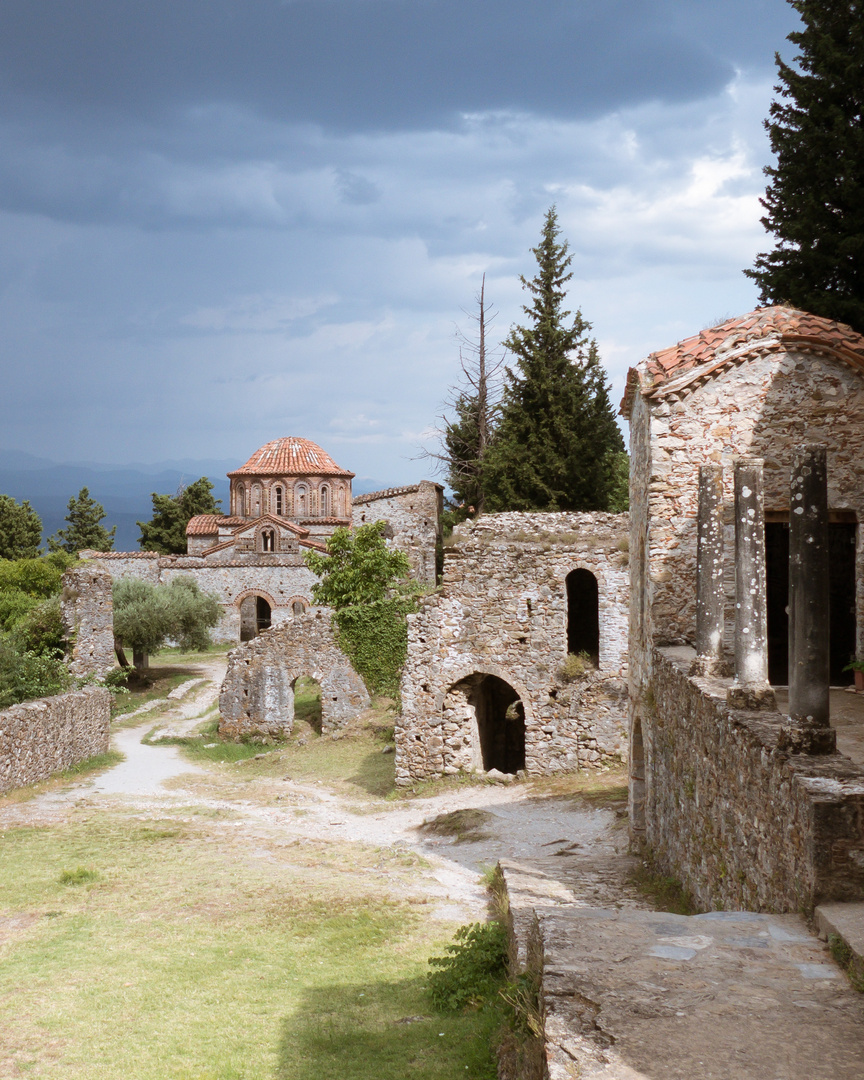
(810,729)
(750,689)
(710,597)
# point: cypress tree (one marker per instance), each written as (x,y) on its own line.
(557,445)
(815,201)
(165,532)
(85,529)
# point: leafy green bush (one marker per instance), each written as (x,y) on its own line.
(25,675)
(145,616)
(473,971)
(40,630)
(14,605)
(375,638)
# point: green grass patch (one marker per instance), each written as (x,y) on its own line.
(188,956)
(97,763)
(664,893)
(467,824)
(207,745)
(154,685)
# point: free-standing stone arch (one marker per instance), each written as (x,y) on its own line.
(257,696)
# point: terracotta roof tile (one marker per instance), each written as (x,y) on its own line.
(291,456)
(711,349)
(209,524)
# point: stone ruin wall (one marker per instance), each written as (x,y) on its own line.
(414,516)
(742,824)
(257,695)
(43,737)
(502,611)
(279,583)
(763,406)
(87,611)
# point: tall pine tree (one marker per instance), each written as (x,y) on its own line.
(815,201)
(557,446)
(165,532)
(85,529)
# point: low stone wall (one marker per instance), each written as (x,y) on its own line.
(88,619)
(257,695)
(502,618)
(43,737)
(741,823)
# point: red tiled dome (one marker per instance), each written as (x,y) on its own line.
(291,456)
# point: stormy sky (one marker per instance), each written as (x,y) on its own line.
(222,221)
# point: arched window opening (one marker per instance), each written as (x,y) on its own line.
(301,500)
(279,502)
(500,717)
(256,500)
(298,608)
(340,502)
(268,540)
(583,615)
(307,702)
(324,506)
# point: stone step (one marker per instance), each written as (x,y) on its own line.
(842,926)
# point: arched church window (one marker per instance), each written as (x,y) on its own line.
(583,615)
(301,500)
(279,502)
(340,502)
(324,508)
(247,502)
(268,540)
(256,500)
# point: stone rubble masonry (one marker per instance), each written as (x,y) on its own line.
(88,619)
(414,516)
(502,610)
(280,579)
(257,695)
(743,824)
(43,737)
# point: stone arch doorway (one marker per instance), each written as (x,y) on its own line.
(499,715)
(583,614)
(256,613)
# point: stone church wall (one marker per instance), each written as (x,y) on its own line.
(413,515)
(43,737)
(257,695)
(502,612)
(743,825)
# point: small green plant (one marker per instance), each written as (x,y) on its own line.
(80,876)
(576,667)
(474,969)
(847,960)
(854,665)
(665,893)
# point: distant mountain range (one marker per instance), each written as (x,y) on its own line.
(123,490)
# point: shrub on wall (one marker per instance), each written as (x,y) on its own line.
(375,639)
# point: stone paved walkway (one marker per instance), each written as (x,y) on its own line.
(636,994)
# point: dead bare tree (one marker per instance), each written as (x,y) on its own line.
(468,422)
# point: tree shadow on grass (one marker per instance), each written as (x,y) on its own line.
(383,1031)
(376,773)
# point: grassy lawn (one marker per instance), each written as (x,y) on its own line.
(193,943)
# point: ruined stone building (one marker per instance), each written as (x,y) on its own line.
(487,683)
(724,807)
(289,496)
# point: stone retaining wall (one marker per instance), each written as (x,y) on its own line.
(257,695)
(43,737)
(502,614)
(742,824)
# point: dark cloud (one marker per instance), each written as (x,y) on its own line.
(361,64)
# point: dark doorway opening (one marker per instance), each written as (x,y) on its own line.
(583,615)
(500,722)
(842,536)
(262,614)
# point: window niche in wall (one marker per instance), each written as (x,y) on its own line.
(324,510)
(278,501)
(268,540)
(301,500)
(583,614)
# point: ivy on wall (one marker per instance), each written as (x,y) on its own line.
(375,639)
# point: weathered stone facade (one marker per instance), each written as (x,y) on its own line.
(257,695)
(743,824)
(88,619)
(289,497)
(413,516)
(43,737)
(483,685)
(712,796)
